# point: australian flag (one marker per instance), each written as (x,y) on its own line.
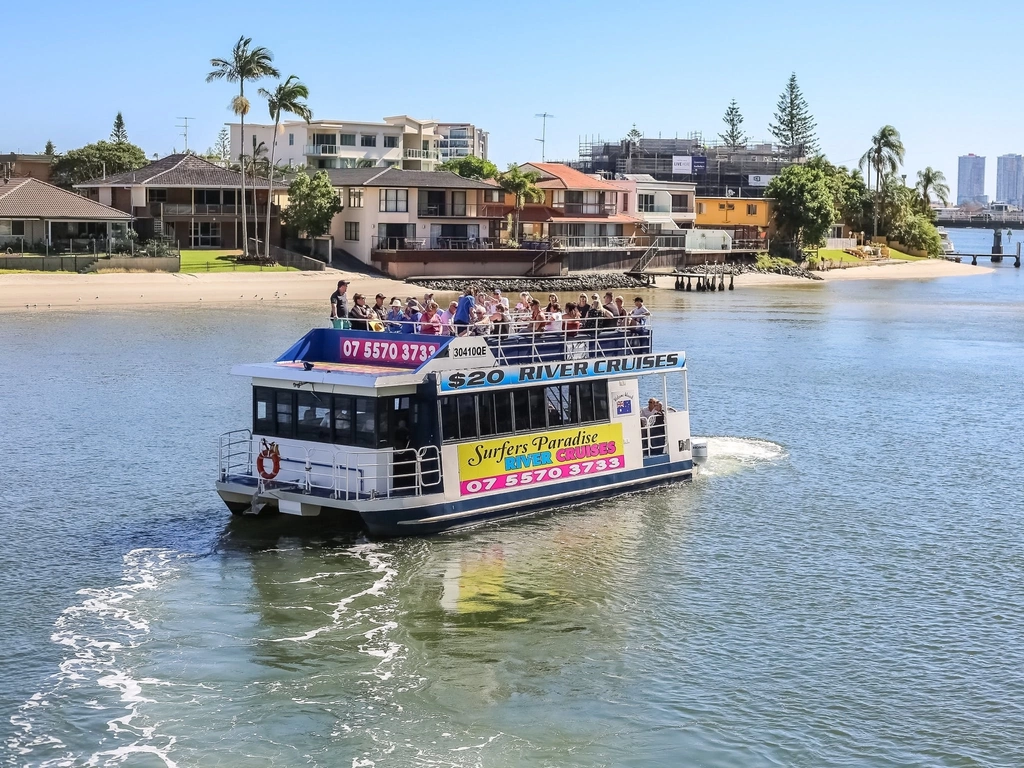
(624,406)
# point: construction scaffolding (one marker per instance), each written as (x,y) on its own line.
(717,169)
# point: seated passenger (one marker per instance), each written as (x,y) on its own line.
(360,314)
(430,320)
(393,321)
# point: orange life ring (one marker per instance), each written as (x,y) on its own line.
(270,452)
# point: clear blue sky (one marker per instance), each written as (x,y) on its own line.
(942,74)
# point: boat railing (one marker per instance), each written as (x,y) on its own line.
(340,474)
(527,347)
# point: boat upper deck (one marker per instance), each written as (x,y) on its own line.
(375,359)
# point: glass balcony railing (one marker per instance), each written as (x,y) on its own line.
(320,149)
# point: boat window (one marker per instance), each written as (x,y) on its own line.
(467,416)
(449,418)
(285,411)
(527,409)
(343,419)
(394,422)
(263,411)
(314,417)
(366,418)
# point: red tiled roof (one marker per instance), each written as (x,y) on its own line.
(28,198)
(558,176)
(180,170)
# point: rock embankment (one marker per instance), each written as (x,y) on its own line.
(745,269)
(589,282)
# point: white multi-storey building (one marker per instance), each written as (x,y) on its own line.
(399,141)
(461,140)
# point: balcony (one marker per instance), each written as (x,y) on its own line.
(421,154)
(587,209)
(466,210)
(163,210)
(666,209)
(435,243)
(321,149)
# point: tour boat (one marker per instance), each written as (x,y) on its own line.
(407,434)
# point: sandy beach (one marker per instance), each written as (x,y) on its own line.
(137,289)
(892,270)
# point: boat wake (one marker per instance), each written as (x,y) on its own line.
(98,633)
(728,455)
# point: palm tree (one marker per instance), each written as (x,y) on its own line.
(885,157)
(522,185)
(286,97)
(245,63)
(931,181)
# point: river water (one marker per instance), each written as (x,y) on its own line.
(843,583)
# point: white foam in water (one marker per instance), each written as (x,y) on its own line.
(97,633)
(727,455)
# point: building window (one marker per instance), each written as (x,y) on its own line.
(645,203)
(394,200)
(206,234)
(17,229)
(751,209)
(493,196)
(352,230)
(347,140)
(367,140)
(390,141)
(291,139)
(680,203)
(324,139)
(701,208)
(625,202)
(156,195)
(341,196)
(355,198)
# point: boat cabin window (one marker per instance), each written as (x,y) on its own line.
(526,409)
(366,422)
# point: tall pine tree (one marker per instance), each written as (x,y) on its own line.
(119,135)
(794,126)
(734,137)
(50,149)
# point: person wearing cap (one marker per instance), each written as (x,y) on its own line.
(394,318)
(360,314)
(378,308)
(339,306)
(411,317)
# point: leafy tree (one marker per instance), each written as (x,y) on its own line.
(918,232)
(244,63)
(734,137)
(521,184)
(90,162)
(50,149)
(804,204)
(288,96)
(794,125)
(470,167)
(884,157)
(119,135)
(929,182)
(850,195)
(312,204)
(222,148)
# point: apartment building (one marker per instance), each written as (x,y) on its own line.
(743,218)
(663,206)
(1010,179)
(461,140)
(401,141)
(970,180)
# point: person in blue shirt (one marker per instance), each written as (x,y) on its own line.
(411,318)
(393,321)
(464,314)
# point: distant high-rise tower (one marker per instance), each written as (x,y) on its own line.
(970,180)
(1010,179)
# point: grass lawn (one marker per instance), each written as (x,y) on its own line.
(894,254)
(834,254)
(222,261)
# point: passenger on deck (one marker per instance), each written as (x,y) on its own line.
(378,308)
(523,307)
(554,315)
(640,315)
(360,314)
(537,320)
(571,320)
(464,312)
(583,307)
(552,303)
(446,317)
(620,311)
(394,318)
(501,323)
(430,321)
(411,317)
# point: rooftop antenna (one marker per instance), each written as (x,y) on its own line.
(185,132)
(543,131)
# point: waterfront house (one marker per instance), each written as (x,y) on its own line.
(745,219)
(35,215)
(664,207)
(15,164)
(188,201)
